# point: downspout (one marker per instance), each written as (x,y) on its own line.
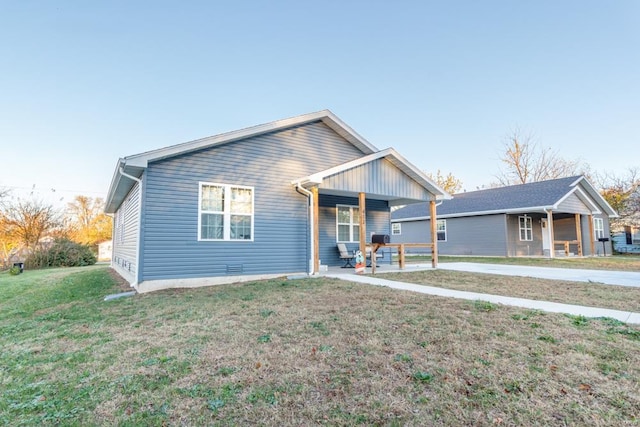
(300,189)
(139,181)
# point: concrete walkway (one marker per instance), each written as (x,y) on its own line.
(623,316)
(622,278)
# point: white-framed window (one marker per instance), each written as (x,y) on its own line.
(441,230)
(225,212)
(396,228)
(347,223)
(526,228)
(598,227)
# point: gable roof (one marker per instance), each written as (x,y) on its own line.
(133,166)
(395,159)
(531,197)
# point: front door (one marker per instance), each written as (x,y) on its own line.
(546,244)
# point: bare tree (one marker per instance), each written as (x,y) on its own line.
(526,161)
(448,183)
(87,223)
(26,222)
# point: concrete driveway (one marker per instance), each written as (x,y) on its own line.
(622,278)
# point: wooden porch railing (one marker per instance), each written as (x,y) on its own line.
(401,247)
(566,244)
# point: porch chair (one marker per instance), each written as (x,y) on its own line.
(345,255)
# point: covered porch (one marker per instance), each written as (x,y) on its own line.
(375,182)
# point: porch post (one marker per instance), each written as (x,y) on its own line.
(552,249)
(316,231)
(592,238)
(579,234)
(363,225)
(434,233)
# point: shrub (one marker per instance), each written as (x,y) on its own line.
(63,253)
(14,271)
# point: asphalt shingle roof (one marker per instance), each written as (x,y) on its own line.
(530,195)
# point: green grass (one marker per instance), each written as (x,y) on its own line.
(337,353)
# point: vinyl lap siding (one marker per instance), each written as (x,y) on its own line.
(125,241)
(479,235)
(268,163)
(377,220)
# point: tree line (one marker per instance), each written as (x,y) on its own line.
(25,224)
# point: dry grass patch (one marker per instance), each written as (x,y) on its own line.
(321,351)
(616,262)
(588,294)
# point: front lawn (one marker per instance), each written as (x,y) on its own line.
(301,352)
(615,262)
(589,294)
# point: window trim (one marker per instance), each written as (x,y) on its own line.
(528,231)
(438,222)
(393,228)
(226,212)
(351,223)
(598,228)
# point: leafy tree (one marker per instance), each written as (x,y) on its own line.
(86,221)
(448,183)
(526,161)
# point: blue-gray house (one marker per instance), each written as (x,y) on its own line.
(556,217)
(260,202)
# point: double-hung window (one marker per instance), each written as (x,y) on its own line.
(225,212)
(348,223)
(526,228)
(441,229)
(598,227)
(396,228)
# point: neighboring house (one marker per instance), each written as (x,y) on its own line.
(260,202)
(105,250)
(627,241)
(518,220)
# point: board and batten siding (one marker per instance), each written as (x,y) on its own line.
(377,221)
(478,235)
(573,204)
(268,163)
(126,234)
(377,177)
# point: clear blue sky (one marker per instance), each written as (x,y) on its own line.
(86,82)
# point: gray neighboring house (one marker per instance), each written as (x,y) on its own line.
(260,202)
(518,220)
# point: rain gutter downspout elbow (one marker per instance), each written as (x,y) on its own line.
(123,173)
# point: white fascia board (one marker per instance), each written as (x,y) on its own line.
(583,197)
(112,187)
(597,197)
(415,173)
(326,116)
